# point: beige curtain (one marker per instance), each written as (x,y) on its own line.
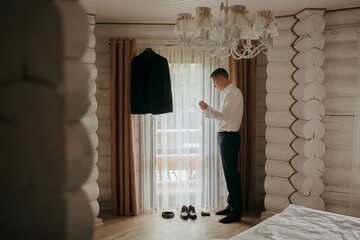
(242,73)
(123,187)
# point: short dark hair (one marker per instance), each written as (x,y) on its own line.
(220,72)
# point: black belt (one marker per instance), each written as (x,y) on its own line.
(167,214)
(229,133)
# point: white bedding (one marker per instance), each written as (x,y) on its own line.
(297,222)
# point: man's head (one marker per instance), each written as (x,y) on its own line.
(220,78)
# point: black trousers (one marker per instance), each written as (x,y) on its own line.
(229,145)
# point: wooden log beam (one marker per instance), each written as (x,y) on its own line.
(281,152)
(308,129)
(279,84)
(341,86)
(279,118)
(275,203)
(337,158)
(308,167)
(278,186)
(308,75)
(306,92)
(307,186)
(309,41)
(311,58)
(278,168)
(285,23)
(279,135)
(313,23)
(309,148)
(279,101)
(285,38)
(339,140)
(280,54)
(314,202)
(312,109)
(341,50)
(340,67)
(340,177)
(277,69)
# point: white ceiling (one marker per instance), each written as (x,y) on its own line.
(165,11)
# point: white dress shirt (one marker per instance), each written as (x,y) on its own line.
(231,112)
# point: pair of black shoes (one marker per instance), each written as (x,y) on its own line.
(188,212)
(231,216)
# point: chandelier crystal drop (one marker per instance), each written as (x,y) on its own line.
(222,38)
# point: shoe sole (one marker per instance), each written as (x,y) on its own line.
(235,220)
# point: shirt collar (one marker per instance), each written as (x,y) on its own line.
(228,88)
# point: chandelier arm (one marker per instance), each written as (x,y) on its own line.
(235,53)
(248,52)
(207,53)
(262,50)
(229,52)
(218,47)
(239,53)
(192,45)
(200,54)
(244,44)
(243,53)
(259,49)
(235,56)
(207,49)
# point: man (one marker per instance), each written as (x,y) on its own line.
(229,120)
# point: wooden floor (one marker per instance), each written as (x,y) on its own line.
(151,226)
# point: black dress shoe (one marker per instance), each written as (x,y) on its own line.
(232,217)
(184,213)
(223,212)
(192,212)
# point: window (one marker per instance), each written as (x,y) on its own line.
(179,134)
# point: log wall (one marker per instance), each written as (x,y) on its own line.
(260,126)
(103,113)
(341,85)
(294,112)
(279,118)
(45,151)
(319,83)
(308,109)
(90,121)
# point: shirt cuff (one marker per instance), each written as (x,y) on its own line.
(207,112)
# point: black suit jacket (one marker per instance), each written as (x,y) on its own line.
(150,84)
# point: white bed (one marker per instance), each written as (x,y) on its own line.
(297,222)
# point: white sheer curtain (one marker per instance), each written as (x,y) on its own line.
(177,159)
(354,205)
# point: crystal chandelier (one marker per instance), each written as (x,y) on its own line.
(221,39)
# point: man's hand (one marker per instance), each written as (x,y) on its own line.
(203,105)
